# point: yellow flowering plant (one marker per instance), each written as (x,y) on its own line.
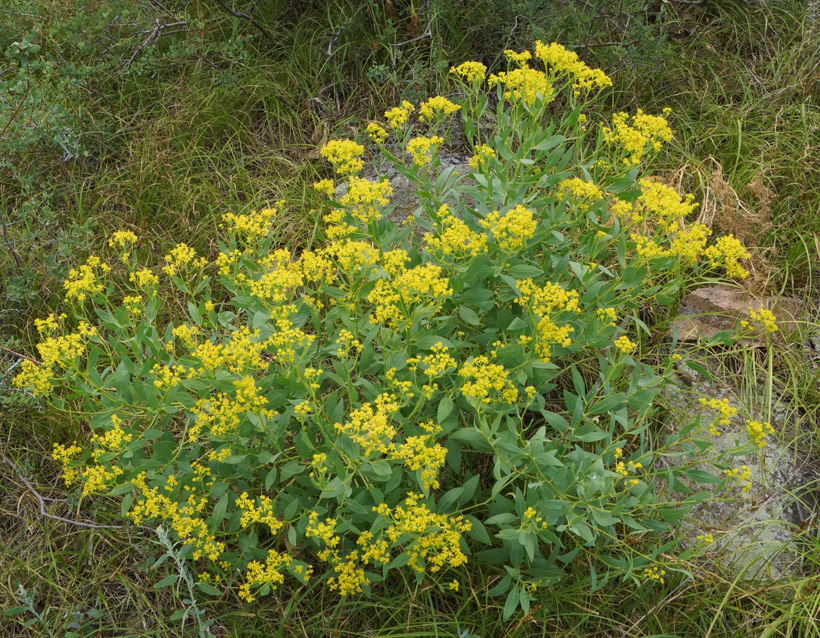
(465,387)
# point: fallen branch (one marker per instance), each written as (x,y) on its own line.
(21,356)
(245,16)
(338,33)
(42,501)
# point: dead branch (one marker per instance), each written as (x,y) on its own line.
(42,501)
(245,16)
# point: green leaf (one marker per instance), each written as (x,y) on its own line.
(512,603)
(608,404)
(15,611)
(550,143)
(524,271)
(603,518)
(468,315)
(167,581)
(209,589)
(501,588)
(445,407)
(701,476)
(478,531)
(218,512)
(449,498)
(291,468)
(270,478)
(179,614)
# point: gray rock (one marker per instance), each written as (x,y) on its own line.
(755,531)
(405,198)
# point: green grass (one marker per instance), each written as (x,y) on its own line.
(173,146)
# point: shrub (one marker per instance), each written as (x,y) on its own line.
(466,386)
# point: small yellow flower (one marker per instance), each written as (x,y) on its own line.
(344,155)
(325,186)
(422,149)
(626,346)
(470,71)
(376,133)
(435,108)
(397,117)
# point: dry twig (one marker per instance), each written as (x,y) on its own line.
(42,501)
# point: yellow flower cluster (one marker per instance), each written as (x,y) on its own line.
(439,362)
(454,239)
(625,469)
(98,477)
(544,302)
(61,351)
(485,382)
(185,333)
(512,231)
(742,475)
(470,71)
(397,116)
(166,377)
(518,59)
(483,154)
(124,240)
(353,256)
(624,345)
(36,377)
(64,456)
(325,186)
(376,133)
(84,281)
(423,453)
(435,108)
(181,256)
(566,63)
(728,252)
(706,538)
(725,413)
(636,137)
(764,317)
(371,425)
(436,537)
(344,155)
(222,414)
(144,279)
(563,62)
(49,324)
(112,440)
(608,315)
(660,204)
(364,199)
(583,192)
(394,261)
(349,576)
(253,226)
(270,574)
(758,431)
(346,342)
(262,513)
(396,300)
(422,148)
(654,574)
(185,517)
(690,243)
(133,304)
(524,84)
